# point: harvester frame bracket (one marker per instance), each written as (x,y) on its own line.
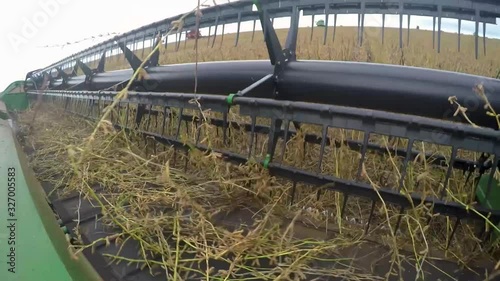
(132,59)
(86,70)
(290,51)
(102,63)
(135,62)
(63,75)
(74,72)
(278,56)
(154,60)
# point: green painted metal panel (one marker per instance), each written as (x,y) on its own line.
(32,244)
(16,102)
(3,111)
(493,200)
(14,97)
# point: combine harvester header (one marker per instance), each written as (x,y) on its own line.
(408,104)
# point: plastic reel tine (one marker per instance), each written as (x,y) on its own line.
(458,33)
(187,123)
(253,31)
(334,27)
(363,154)
(252,135)
(185,39)
(89,107)
(95,112)
(434,32)
(154,145)
(312,28)
(324,136)
(126,114)
(75,106)
(371,216)
(383,28)
(179,42)
(134,47)
(273,136)
(174,161)
(171,115)
(484,37)
(409,149)
(92,113)
(179,123)
(292,195)
(408,35)
(85,107)
(440,10)
(112,113)
(455,227)
(344,204)
(186,158)
(222,35)
(167,120)
(229,132)
(264,24)
(400,27)
(362,24)
(318,194)
(448,172)
(215,32)
(256,140)
(143,43)
(224,128)
(157,113)
(327,16)
(285,140)
(238,30)
(199,128)
(304,148)
(119,113)
(208,37)
(149,117)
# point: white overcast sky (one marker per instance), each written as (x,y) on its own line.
(28,25)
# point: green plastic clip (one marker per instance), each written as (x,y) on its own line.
(267,160)
(65,229)
(230,99)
